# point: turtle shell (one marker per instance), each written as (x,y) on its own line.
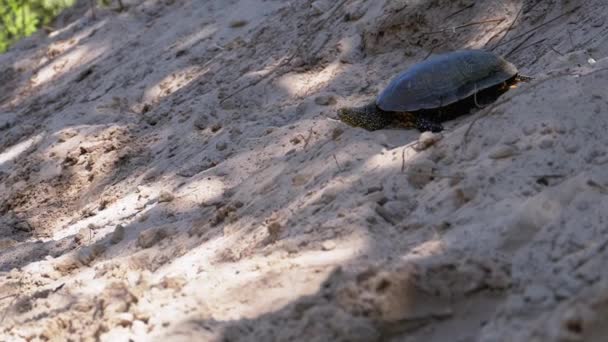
(444,79)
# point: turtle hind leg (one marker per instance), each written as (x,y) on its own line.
(424,124)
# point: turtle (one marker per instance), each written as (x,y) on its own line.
(435,90)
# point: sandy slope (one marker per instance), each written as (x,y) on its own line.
(175,172)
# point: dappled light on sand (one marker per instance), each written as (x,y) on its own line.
(177,170)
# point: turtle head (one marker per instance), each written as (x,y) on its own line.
(369,117)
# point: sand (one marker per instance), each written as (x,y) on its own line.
(176,172)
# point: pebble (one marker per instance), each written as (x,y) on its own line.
(325,100)
(546,143)
(23,226)
(118,234)
(503,151)
(354,14)
(328,245)
(220,146)
(299,180)
(238,23)
(427,139)
(150,237)
(165,196)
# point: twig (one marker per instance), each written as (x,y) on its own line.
(571,40)
(539,26)
(338,164)
(7,309)
(7,296)
(509,28)
(403,160)
(459,11)
(554,50)
(527,46)
(432,50)
(519,45)
(92,4)
(465,25)
(307,139)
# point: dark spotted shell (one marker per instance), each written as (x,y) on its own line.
(444,79)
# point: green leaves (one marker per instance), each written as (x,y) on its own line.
(20,18)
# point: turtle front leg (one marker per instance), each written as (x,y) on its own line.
(424,124)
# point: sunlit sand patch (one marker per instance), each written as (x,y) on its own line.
(202,190)
(427,250)
(16,150)
(171,83)
(205,33)
(125,208)
(303,84)
(62,63)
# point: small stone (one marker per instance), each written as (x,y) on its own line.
(118,234)
(220,146)
(23,226)
(238,23)
(328,245)
(427,139)
(299,180)
(274,230)
(463,195)
(325,100)
(297,62)
(546,143)
(354,14)
(165,196)
(503,151)
(150,237)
